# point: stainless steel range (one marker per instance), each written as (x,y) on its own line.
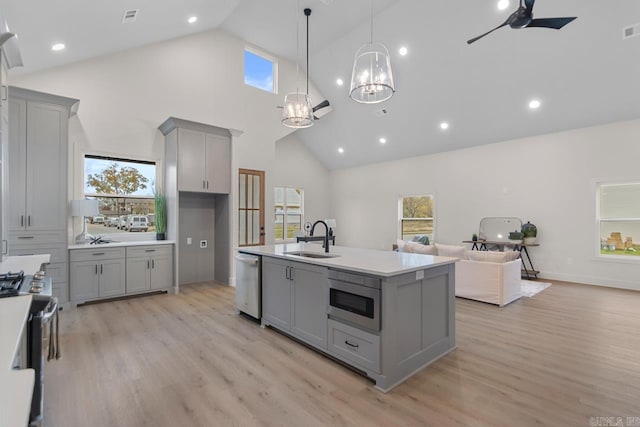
(43,309)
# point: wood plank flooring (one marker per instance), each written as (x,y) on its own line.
(570,353)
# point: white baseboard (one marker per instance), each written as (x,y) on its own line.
(593,281)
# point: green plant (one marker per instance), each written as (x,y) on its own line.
(474,237)
(161,212)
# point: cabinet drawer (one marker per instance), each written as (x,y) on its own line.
(354,345)
(358,279)
(20,238)
(57,254)
(97,254)
(151,250)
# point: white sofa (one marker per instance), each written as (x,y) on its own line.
(492,277)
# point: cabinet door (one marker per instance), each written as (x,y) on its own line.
(138,274)
(218,152)
(309,312)
(17,165)
(112,277)
(84,280)
(276,293)
(161,272)
(191,161)
(46,166)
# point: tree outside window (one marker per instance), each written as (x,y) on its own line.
(289,210)
(416,221)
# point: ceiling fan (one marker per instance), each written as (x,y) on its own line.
(523,18)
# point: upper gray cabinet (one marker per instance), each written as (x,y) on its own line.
(204,156)
(37,164)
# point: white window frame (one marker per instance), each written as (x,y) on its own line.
(599,256)
(284,212)
(401,214)
(270,58)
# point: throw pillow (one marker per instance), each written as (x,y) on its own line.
(452,251)
(402,246)
(417,248)
(493,256)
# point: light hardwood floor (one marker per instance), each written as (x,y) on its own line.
(570,353)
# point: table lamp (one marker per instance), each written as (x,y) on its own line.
(84,208)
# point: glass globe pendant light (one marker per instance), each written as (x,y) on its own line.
(372,77)
(298,112)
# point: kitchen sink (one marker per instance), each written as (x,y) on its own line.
(310,254)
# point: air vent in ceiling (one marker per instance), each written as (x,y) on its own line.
(381,112)
(631,31)
(130,16)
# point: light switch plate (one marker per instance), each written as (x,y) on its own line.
(203,244)
(189,241)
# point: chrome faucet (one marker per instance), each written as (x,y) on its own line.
(325,243)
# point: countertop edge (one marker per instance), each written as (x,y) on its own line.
(122,244)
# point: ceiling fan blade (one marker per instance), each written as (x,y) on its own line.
(485,34)
(323,104)
(529,5)
(554,23)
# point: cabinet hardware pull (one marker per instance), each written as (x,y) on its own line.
(27,237)
(96,268)
(29,220)
(351,345)
(21,220)
(147,264)
(98,253)
(150,250)
(203,184)
(100,268)
(290,273)
(153,263)
(286,273)
(207,184)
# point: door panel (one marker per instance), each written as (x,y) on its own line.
(218,164)
(112,278)
(17,168)
(161,272)
(251,208)
(191,161)
(138,273)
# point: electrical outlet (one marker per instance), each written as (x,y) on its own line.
(203,244)
(189,241)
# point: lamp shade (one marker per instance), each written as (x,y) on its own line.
(297,112)
(372,78)
(84,208)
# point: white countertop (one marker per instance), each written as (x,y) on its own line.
(123,244)
(369,261)
(16,387)
(29,263)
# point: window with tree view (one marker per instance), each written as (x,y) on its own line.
(619,219)
(288,212)
(416,221)
(124,189)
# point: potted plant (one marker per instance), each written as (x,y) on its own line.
(161,215)
(474,238)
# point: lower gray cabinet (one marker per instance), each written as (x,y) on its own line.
(149,268)
(96,273)
(294,299)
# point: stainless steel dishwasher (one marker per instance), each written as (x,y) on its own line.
(249,284)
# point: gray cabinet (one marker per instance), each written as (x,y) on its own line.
(294,299)
(36,179)
(203,156)
(149,268)
(96,273)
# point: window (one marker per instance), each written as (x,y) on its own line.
(259,71)
(289,212)
(619,219)
(124,189)
(416,218)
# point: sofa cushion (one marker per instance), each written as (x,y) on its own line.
(418,248)
(493,256)
(452,251)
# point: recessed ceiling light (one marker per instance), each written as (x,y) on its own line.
(534,104)
(444,125)
(339,82)
(58,46)
(192,20)
(403,51)
(503,4)
(340,150)
(383,140)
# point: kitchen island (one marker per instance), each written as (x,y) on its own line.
(385,314)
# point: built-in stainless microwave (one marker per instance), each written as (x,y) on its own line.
(355,303)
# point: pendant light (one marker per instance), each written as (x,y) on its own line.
(372,77)
(297,112)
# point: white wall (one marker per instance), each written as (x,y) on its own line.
(548,180)
(297,167)
(125,96)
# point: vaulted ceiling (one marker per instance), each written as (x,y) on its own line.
(583,75)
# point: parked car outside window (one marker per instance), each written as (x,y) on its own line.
(137,223)
(122,222)
(98,219)
(112,222)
